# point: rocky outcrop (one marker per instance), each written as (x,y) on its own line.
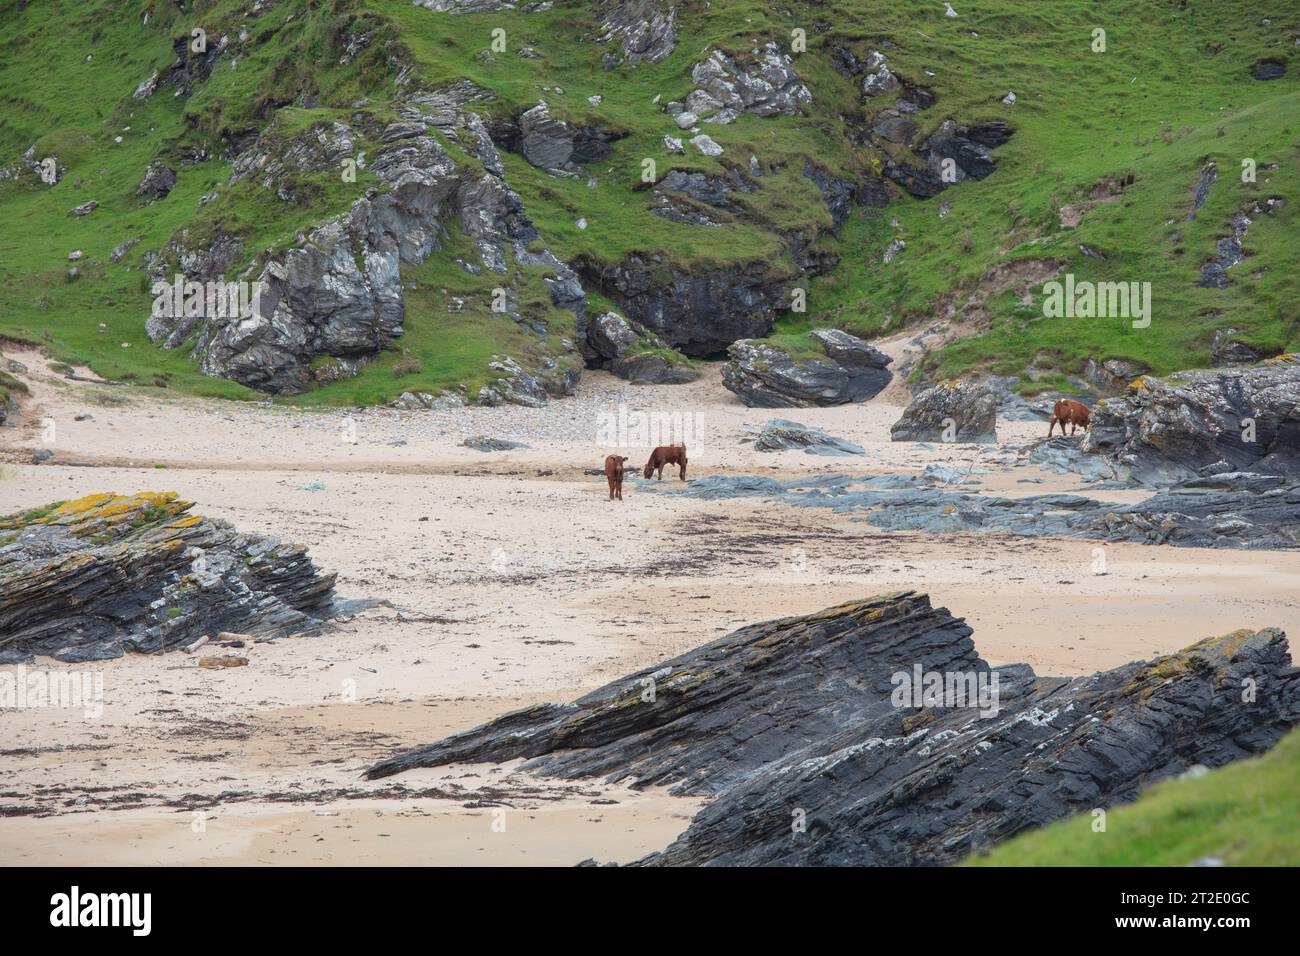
(1230,249)
(765,376)
(724,89)
(953,153)
(642,30)
(1229,348)
(1164,430)
(1233,510)
(157,182)
(1113,375)
(950,411)
(92,578)
(819,751)
(338,292)
(696,312)
(630,351)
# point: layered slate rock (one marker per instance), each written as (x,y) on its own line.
(642,29)
(1164,430)
(705,720)
(766,376)
(952,411)
(799,718)
(926,787)
(782,435)
(1233,510)
(92,578)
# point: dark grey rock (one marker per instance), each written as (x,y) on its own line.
(782,435)
(949,411)
(157,182)
(765,376)
(1164,430)
(1228,349)
(798,720)
(96,578)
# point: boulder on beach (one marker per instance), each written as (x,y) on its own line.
(765,375)
(1164,430)
(93,578)
(829,712)
(951,411)
(782,435)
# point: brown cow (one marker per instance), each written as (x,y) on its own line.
(614,474)
(666,455)
(1067,411)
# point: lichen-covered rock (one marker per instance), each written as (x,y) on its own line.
(1166,429)
(802,718)
(766,376)
(92,578)
(951,411)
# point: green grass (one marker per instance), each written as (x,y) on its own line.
(1172,92)
(1244,813)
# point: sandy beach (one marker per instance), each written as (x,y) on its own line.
(509,578)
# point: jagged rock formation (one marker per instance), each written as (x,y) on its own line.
(949,411)
(338,293)
(1167,429)
(643,30)
(158,181)
(801,729)
(92,578)
(764,376)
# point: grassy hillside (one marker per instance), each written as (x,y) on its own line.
(1171,92)
(1243,814)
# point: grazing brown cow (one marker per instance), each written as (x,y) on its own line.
(1067,411)
(666,455)
(614,474)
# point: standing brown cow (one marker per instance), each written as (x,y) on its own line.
(1067,411)
(666,455)
(614,474)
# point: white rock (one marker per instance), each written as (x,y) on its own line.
(581,223)
(1009,99)
(706,145)
(686,119)
(673,144)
